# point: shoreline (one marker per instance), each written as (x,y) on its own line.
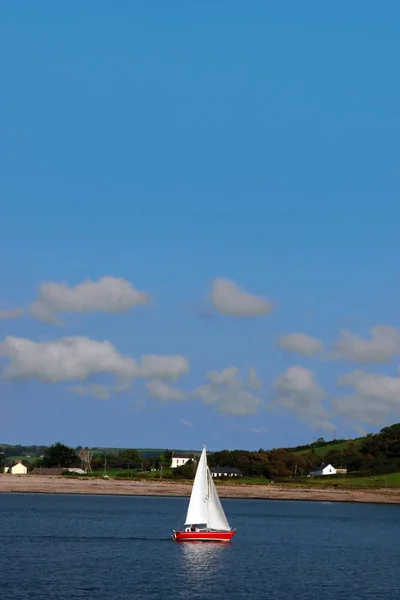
(50,484)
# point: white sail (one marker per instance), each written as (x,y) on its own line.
(205,507)
(197,513)
(216,515)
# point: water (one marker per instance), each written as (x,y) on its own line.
(118,548)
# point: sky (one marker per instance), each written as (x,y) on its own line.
(199,225)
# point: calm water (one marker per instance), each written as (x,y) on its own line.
(118,548)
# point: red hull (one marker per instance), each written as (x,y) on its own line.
(203,536)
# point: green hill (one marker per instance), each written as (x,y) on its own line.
(370,456)
(322,449)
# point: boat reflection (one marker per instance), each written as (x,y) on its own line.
(200,561)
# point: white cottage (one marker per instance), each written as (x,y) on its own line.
(178,460)
(323,470)
(225,472)
(19,469)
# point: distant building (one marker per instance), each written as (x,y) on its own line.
(19,469)
(225,472)
(178,460)
(324,470)
(57,470)
(48,471)
(341,471)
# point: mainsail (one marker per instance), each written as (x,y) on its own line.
(197,511)
(205,507)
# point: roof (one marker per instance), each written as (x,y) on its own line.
(48,471)
(229,470)
(182,455)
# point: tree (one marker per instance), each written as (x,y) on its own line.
(165,459)
(59,455)
(125,459)
(320,442)
(186,471)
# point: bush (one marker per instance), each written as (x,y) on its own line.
(186,471)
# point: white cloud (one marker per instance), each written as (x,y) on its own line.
(229,299)
(109,294)
(360,430)
(375,397)
(301,343)
(225,378)
(327,426)
(383,345)
(12,313)
(164,392)
(163,367)
(66,359)
(225,391)
(259,430)
(252,381)
(102,392)
(77,358)
(297,391)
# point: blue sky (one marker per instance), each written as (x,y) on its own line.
(198,152)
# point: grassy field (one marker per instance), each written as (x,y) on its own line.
(376,481)
(130,474)
(391,480)
(323,450)
(379,481)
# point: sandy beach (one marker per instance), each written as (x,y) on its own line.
(60,485)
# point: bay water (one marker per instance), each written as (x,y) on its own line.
(68,547)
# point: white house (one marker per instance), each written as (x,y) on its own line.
(323,470)
(225,472)
(19,469)
(178,460)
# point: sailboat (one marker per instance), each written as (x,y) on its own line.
(205,519)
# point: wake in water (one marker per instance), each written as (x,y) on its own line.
(73,538)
